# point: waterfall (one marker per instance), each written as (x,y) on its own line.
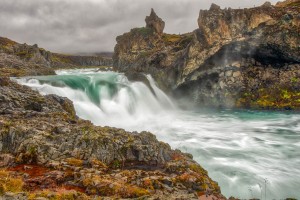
(105,98)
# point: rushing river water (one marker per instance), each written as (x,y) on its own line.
(240,149)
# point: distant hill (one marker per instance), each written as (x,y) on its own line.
(22,59)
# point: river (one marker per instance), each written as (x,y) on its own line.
(251,154)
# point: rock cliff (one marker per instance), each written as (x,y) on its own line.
(73,61)
(248,58)
(23,59)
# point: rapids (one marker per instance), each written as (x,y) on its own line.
(240,149)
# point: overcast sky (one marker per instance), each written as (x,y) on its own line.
(73,26)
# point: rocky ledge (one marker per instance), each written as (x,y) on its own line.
(237,58)
(47,152)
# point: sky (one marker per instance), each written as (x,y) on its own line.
(88,26)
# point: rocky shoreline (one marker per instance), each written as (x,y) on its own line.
(52,152)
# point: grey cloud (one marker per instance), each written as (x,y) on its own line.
(72,26)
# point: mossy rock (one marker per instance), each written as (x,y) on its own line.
(275,97)
(145,32)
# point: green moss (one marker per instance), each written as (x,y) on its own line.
(294,4)
(32,150)
(276,97)
(6,42)
(198,169)
(12,72)
(286,94)
(74,162)
(145,32)
(9,183)
(21,53)
(116,164)
(61,59)
(61,194)
(178,41)
(171,38)
(294,80)
(6,127)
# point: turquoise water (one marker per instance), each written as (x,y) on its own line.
(240,149)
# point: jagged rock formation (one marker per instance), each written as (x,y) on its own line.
(155,23)
(63,153)
(236,58)
(23,59)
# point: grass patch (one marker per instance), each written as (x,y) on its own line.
(9,183)
(74,162)
(282,98)
(145,32)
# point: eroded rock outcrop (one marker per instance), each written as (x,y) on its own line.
(22,59)
(155,23)
(45,146)
(25,60)
(73,61)
(236,58)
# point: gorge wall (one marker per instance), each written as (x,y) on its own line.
(246,58)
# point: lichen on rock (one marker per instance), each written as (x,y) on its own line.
(50,151)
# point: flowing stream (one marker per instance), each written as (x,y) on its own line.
(251,154)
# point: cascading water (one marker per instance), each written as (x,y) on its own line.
(238,148)
(106,98)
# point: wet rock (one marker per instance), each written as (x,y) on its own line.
(139,77)
(35,106)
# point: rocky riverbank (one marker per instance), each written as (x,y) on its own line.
(237,58)
(47,152)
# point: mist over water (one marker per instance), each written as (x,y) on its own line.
(238,148)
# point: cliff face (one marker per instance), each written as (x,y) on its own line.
(71,61)
(22,59)
(236,58)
